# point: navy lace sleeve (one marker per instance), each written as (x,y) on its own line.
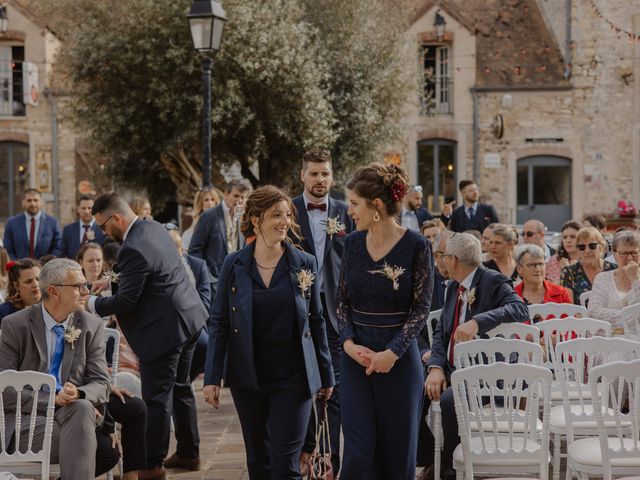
(422,266)
(343,312)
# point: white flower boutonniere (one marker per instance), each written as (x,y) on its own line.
(305,280)
(391,272)
(91,235)
(71,334)
(470,296)
(112,276)
(335,227)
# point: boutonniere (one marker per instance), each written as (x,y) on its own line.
(470,297)
(112,276)
(305,280)
(391,272)
(335,227)
(71,334)
(91,235)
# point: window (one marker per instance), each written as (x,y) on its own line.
(436,172)
(11,81)
(14,173)
(437,86)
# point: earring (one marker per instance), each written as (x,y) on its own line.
(376,216)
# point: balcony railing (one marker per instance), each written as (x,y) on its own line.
(11,88)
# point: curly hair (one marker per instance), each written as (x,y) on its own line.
(389,183)
(261,200)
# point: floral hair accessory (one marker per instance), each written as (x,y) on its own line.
(398,190)
(9,266)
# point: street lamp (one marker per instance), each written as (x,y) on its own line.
(440,25)
(3,19)
(206,21)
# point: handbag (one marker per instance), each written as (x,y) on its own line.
(319,465)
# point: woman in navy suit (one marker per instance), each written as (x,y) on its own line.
(266,321)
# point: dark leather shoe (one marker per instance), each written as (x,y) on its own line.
(157,473)
(174,461)
(426,473)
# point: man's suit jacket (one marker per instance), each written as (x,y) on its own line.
(23,346)
(48,242)
(203,279)
(333,249)
(495,303)
(485,214)
(158,308)
(209,241)
(423,215)
(71,238)
(231,324)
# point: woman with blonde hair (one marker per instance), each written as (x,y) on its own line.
(504,239)
(205,198)
(141,207)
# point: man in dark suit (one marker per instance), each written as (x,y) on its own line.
(413,214)
(471,215)
(32,234)
(477,300)
(324,224)
(82,231)
(218,231)
(533,232)
(161,315)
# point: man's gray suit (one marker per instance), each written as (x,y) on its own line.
(23,346)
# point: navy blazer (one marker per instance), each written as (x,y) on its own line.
(71,238)
(496,302)
(203,279)
(209,241)
(157,306)
(486,214)
(16,241)
(231,325)
(423,215)
(333,249)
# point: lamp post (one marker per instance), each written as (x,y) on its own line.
(440,24)
(206,22)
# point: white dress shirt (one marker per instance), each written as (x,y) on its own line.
(409,220)
(38,219)
(318,224)
(51,337)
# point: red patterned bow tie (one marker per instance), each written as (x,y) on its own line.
(317,206)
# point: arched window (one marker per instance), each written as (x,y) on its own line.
(14,176)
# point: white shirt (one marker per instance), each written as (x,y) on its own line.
(409,220)
(38,219)
(229,222)
(474,210)
(126,232)
(51,337)
(318,224)
(81,223)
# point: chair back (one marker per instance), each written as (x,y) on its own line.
(112,333)
(558,330)
(631,321)
(520,331)
(493,350)
(556,310)
(584,298)
(509,386)
(23,397)
(621,382)
(432,322)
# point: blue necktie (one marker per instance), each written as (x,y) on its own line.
(54,368)
(470,213)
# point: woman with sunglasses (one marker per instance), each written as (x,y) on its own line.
(614,290)
(579,277)
(567,254)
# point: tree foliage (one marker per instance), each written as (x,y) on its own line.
(291,74)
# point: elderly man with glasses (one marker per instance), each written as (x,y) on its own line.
(533,232)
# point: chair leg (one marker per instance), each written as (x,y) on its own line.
(557,441)
(437,438)
(459,474)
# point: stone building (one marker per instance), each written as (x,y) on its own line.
(534,99)
(37,149)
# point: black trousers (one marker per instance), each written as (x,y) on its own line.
(106,455)
(426,442)
(274,424)
(166,388)
(132,416)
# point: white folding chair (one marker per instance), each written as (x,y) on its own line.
(575,417)
(584,298)
(22,394)
(112,333)
(615,389)
(484,448)
(516,330)
(434,418)
(556,310)
(631,321)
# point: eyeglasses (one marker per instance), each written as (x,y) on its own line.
(78,286)
(592,246)
(634,253)
(107,221)
(529,234)
(533,266)
(444,255)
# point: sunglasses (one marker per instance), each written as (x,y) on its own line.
(529,234)
(592,246)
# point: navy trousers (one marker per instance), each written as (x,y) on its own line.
(380,415)
(449,430)
(274,424)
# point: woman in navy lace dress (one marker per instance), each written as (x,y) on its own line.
(383,303)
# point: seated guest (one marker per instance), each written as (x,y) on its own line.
(90,258)
(533,233)
(4,273)
(578,278)
(431,229)
(35,337)
(477,300)
(485,241)
(613,290)
(567,254)
(110,254)
(23,289)
(534,288)
(503,240)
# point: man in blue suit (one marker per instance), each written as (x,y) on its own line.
(82,231)
(413,214)
(218,231)
(324,224)
(476,301)
(32,234)
(471,215)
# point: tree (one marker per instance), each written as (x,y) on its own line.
(291,74)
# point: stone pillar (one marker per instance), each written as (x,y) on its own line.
(636,113)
